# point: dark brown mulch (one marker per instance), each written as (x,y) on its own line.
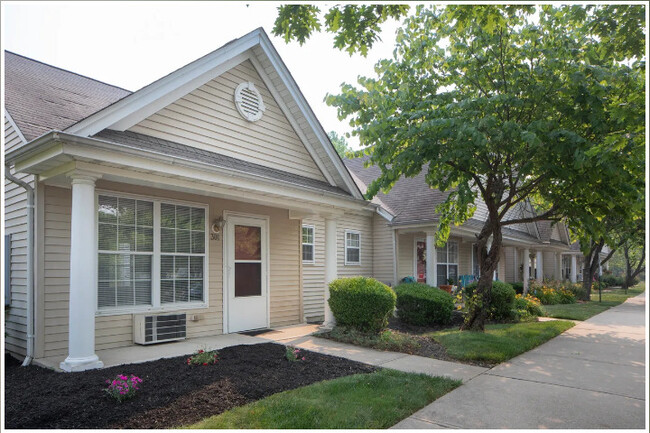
(172,394)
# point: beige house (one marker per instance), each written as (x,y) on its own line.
(210,201)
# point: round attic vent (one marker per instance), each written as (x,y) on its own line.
(249,102)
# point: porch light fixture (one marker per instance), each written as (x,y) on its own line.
(217,225)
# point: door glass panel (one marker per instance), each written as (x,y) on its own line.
(248,279)
(248,243)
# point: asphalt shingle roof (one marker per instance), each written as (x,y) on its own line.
(411,200)
(40,97)
(177,150)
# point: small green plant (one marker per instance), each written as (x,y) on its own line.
(293,354)
(123,387)
(553,292)
(203,357)
(450,281)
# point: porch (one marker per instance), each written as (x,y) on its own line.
(137,354)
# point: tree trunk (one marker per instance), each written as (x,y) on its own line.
(630,275)
(478,304)
(591,267)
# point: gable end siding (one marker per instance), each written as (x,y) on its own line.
(206,118)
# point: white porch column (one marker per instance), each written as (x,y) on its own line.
(558,266)
(83,277)
(539,265)
(432,269)
(574,268)
(526,269)
(330,267)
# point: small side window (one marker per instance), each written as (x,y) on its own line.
(352,247)
(307,244)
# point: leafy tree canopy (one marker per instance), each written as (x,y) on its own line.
(356,27)
(340,143)
(504,104)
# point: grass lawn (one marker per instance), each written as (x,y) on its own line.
(362,401)
(583,311)
(499,342)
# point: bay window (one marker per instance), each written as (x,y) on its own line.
(150,253)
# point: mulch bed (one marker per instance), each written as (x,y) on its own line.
(172,393)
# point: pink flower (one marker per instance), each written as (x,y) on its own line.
(303,358)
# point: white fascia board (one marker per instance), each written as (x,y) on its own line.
(297,95)
(385,214)
(16,128)
(139,105)
(292,121)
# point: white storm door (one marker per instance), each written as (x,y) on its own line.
(246,280)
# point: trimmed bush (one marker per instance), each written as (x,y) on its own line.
(612,280)
(419,304)
(361,303)
(502,299)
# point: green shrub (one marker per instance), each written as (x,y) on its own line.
(362,303)
(526,308)
(612,280)
(578,290)
(419,304)
(502,299)
(519,288)
(553,292)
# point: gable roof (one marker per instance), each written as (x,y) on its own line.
(189,153)
(413,201)
(99,106)
(41,97)
(256,47)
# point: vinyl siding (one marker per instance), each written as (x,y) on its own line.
(313,275)
(15,208)
(208,119)
(362,224)
(405,256)
(116,330)
(511,272)
(549,265)
(382,262)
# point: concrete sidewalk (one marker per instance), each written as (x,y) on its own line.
(590,377)
(299,337)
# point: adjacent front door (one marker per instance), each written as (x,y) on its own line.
(421,260)
(245,282)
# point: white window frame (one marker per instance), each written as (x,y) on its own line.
(447,262)
(345,243)
(156,306)
(313,244)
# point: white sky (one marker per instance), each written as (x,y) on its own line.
(131,44)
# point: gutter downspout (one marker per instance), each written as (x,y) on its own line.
(30,263)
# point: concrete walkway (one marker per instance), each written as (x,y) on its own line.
(397,361)
(590,377)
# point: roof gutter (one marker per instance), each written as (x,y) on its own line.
(30,263)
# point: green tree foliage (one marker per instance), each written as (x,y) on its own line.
(505,105)
(340,143)
(356,27)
